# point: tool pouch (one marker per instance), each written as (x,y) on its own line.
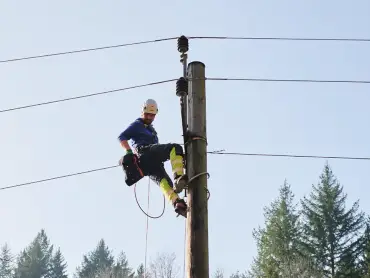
(131,168)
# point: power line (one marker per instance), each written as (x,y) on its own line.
(292,155)
(282,38)
(211,152)
(59,177)
(288,80)
(85,50)
(85,96)
(190,37)
(170,80)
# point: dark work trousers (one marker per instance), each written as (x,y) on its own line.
(152,158)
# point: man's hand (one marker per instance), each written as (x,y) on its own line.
(126,146)
(128,152)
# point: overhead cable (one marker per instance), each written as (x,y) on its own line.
(88,95)
(85,50)
(292,155)
(281,38)
(58,177)
(211,152)
(287,80)
(190,37)
(170,80)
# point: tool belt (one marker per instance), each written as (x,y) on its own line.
(141,149)
(131,167)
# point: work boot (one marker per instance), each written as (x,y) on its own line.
(180,183)
(181,207)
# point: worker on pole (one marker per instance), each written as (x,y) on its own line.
(151,156)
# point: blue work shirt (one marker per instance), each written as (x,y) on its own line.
(141,134)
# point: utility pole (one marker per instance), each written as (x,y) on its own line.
(192,92)
(197,219)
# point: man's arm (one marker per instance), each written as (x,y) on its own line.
(126,135)
(125,145)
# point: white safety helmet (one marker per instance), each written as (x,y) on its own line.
(150,106)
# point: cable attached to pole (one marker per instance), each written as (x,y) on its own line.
(182,92)
(182,88)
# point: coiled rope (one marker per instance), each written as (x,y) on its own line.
(147,213)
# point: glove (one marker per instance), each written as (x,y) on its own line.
(126,158)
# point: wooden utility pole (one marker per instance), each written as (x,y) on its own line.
(197,219)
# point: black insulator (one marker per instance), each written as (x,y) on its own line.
(181,87)
(183,44)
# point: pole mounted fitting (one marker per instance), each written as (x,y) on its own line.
(183,47)
(183,44)
(181,87)
(182,91)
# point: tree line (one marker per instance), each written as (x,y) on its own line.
(40,260)
(320,236)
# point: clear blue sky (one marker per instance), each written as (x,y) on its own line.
(299,118)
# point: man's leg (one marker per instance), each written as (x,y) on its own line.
(160,177)
(175,154)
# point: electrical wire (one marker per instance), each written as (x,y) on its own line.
(291,155)
(287,80)
(190,37)
(85,50)
(88,95)
(58,177)
(282,38)
(211,152)
(171,80)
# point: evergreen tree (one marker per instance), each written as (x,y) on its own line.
(140,272)
(329,229)
(34,260)
(99,260)
(278,243)
(364,264)
(121,269)
(46,247)
(32,263)
(100,263)
(6,262)
(58,266)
